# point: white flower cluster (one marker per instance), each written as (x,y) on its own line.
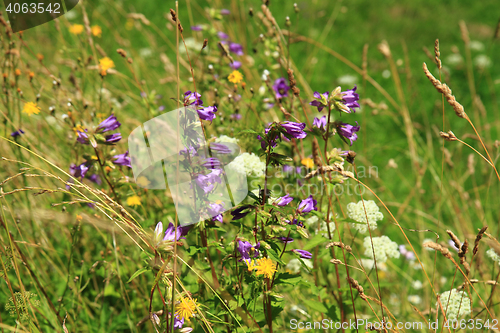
(493,255)
(294,265)
(225,138)
(313,223)
(383,246)
(369,264)
(356,211)
(455,303)
(249,164)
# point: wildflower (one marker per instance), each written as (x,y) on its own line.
(409,255)
(108,124)
(215,209)
(366,213)
(248,164)
(281,88)
(452,245)
(235,65)
(186,308)
(383,246)
(31,108)
(283,201)
(417,284)
(320,123)
(303,254)
(79,171)
(95,179)
(286,240)
(83,137)
(211,163)
(493,255)
(122,159)
(220,148)
(295,222)
(266,267)
(235,116)
(248,250)
(236,48)
(295,130)
(171,234)
(222,35)
(17,72)
(308,162)
(178,323)
(17,133)
(225,138)
(197,27)
(207,182)
(241,212)
(96,31)
(235,77)
(105,64)
(350,100)
(348,131)
(76,29)
(414,299)
(307,205)
(320,101)
(294,265)
(191,98)
(133,201)
(455,304)
(158,233)
(225,11)
(207,113)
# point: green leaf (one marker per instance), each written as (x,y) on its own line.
(287,278)
(315,241)
(137,273)
(274,256)
(315,305)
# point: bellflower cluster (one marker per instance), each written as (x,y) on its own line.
(320,123)
(360,211)
(122,159)
(307,205)
(247,250)
(107,125)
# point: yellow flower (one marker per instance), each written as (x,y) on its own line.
(308,162)
(17,72)
(133,201)
(235,77)
(76,29)
(105,64)
(31,108)
(186,308)
(265,266)
(143,181)
(96,30)
(251,265)
(79,218)
(129,25)
(78,128)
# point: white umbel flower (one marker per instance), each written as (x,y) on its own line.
(383,246)
(455,303)
(294,265)
(414,299)
(248,164)
(356,211)
(493,255)
(225,138)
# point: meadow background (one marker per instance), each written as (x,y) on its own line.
(79,262)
